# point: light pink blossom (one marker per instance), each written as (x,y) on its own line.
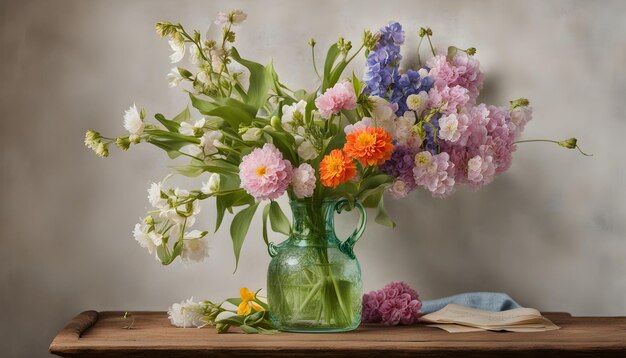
(520,115)
(480,170)
(264,173)
(341,96)
(303,181)
(469,75)
(435,173)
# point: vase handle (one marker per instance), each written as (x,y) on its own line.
(347,246)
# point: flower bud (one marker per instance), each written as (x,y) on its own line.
(276,123)
(149,220)
(520,102)
(568,143)
(122,143)
(222,327)
(312,42)
(102,150)
(471,51)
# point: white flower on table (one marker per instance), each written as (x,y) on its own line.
(186,314)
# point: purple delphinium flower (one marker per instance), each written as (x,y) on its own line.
(400,165)
(382,63)
(407,84)
(430,142)
(396,303)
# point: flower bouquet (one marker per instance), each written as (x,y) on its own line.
(338,147)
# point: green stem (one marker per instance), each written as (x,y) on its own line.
(431,45)
(314,65)
(419,59)
(560,143)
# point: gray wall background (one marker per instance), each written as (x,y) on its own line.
(550,232)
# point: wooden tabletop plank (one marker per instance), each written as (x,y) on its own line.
(102,334)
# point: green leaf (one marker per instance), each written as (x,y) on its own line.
(381,215)
(239,229)
(185,73)
(170,125)
(266,212)
(236,301)
(375,181)
(203,106)
(285,143)
(331,57)
(371,197)
(163,254)
(261,80)
(278,220)
(336,73)
(234,116)
(183,116)
(357,84)
(226,202)
(232,320)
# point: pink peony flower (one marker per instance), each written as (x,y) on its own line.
(341,96)
(303,182)
(264,173)
(435,173)
(394,304)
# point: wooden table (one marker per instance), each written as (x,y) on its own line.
(101,334)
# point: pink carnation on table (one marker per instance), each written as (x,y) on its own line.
(396,303)
(264,173)
(435,173)
(341,96)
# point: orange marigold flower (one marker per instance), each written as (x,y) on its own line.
(336,168)
(370,146)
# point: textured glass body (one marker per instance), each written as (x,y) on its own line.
(314,279)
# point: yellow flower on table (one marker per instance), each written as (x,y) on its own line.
(247,302)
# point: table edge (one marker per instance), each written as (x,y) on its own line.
(73,330)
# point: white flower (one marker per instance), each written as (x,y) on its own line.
(399,189)
(178,46)
(417,102)
(195,247)
(383,114)
(155,197)
(210,141)
(449,128)
(234,17)
(186,314)
(307,151)
(140,233)
(366,122)
(212,185)
(252,134)
(133,122)
(194,129)
(422,72)
(296,110)
(303,181)
(404,129)
(174,77)
(217,59)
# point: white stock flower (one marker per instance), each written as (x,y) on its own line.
(133,122)
(210,141)
(307,151)
(212,185)
(417,102)
(192,129)
(234,17)
(178,46)
(383,114)
(155,197)
(296,109)
(186,314)
(195,247)
(174,77)
(140,233)
(366,122)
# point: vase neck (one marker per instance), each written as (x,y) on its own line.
(309,219)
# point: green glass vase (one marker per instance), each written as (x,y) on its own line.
(314,279)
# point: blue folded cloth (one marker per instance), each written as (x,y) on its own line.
(488,301)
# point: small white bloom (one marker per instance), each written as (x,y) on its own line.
(156,238)
(303,181)
(449,128)
(422,72)
(296,110)
(417,102)
(383,114)
(186,314)
(194,249)
(210,141)
(307,151)
(133,122)
(192,129)
(155,196)
(399,189)
(234,17)
(252,134)
(140,233)
(178,46)
(212,185)
(174,77)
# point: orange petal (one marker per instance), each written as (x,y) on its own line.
(256,306)
(243,309)
(245,294)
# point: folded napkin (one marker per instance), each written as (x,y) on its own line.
(488,301)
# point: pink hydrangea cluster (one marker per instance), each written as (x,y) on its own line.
(435,173)
(461,70)
(264,173)
(396,303)
(341,96)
